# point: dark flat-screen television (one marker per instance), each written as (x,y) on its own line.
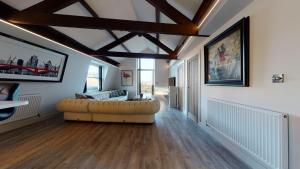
(172,81)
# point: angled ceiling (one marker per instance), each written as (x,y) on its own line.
(136,10)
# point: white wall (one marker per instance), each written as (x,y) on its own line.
(174,67)
(161,77)
(74,77)
(111,80)
(129,64)
(274,45)
(161,73)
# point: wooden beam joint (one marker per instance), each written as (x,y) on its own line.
(171,12)
(117,42)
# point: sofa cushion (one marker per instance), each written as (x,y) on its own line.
(80,96)
(120,98)
(98,95)
(106,95)
(90,97)
(122,92)
(114,93)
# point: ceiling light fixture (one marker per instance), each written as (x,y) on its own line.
(200,24)
(18,27)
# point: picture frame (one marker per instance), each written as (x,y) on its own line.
(226,57)
(126,78)
(21,60)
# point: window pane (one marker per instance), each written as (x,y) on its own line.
(93,71)
(92,84)
(146,82)
(92,81)
(147,64)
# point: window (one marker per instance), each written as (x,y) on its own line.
(94,79)
(146,64)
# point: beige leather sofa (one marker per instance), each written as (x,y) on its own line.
(109,111)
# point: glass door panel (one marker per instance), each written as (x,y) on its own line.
(146,76)
(146,82)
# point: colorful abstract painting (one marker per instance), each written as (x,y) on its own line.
(226,56)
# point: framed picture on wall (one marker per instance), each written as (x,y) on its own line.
(21,60)
(126,78)
(226,57)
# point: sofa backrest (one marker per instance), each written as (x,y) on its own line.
(108,94)
(73,105)
(124,107)
(101,95)
(108,107)
(117,93)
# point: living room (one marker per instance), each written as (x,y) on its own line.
(149,84)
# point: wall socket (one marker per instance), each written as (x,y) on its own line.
(278,78)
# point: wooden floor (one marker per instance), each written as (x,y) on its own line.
(173,142)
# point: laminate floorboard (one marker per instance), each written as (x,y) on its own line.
(172,142)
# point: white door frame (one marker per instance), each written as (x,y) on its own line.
(195,96)
(181,70)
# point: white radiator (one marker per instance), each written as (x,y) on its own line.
(27,111)
(261,132)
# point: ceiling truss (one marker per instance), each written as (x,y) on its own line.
(51,33)
(95,15)
(40,17)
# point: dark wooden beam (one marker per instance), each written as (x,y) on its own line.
(202,11)
(170,11)
(157,20)
(95,15)
(6,10)
(181,44)
(102,23)
(117,42)
(50,6)
(133,55)
(50,33)
(158,43)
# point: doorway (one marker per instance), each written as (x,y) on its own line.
(180,74)
(192,89)
(146,76)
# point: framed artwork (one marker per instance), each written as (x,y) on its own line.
(226,57)
(21,60)
(126,78)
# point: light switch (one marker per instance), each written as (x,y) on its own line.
(278,78)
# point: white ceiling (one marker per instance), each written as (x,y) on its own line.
(136,10)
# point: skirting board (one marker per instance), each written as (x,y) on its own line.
(234,149)
(21,123)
